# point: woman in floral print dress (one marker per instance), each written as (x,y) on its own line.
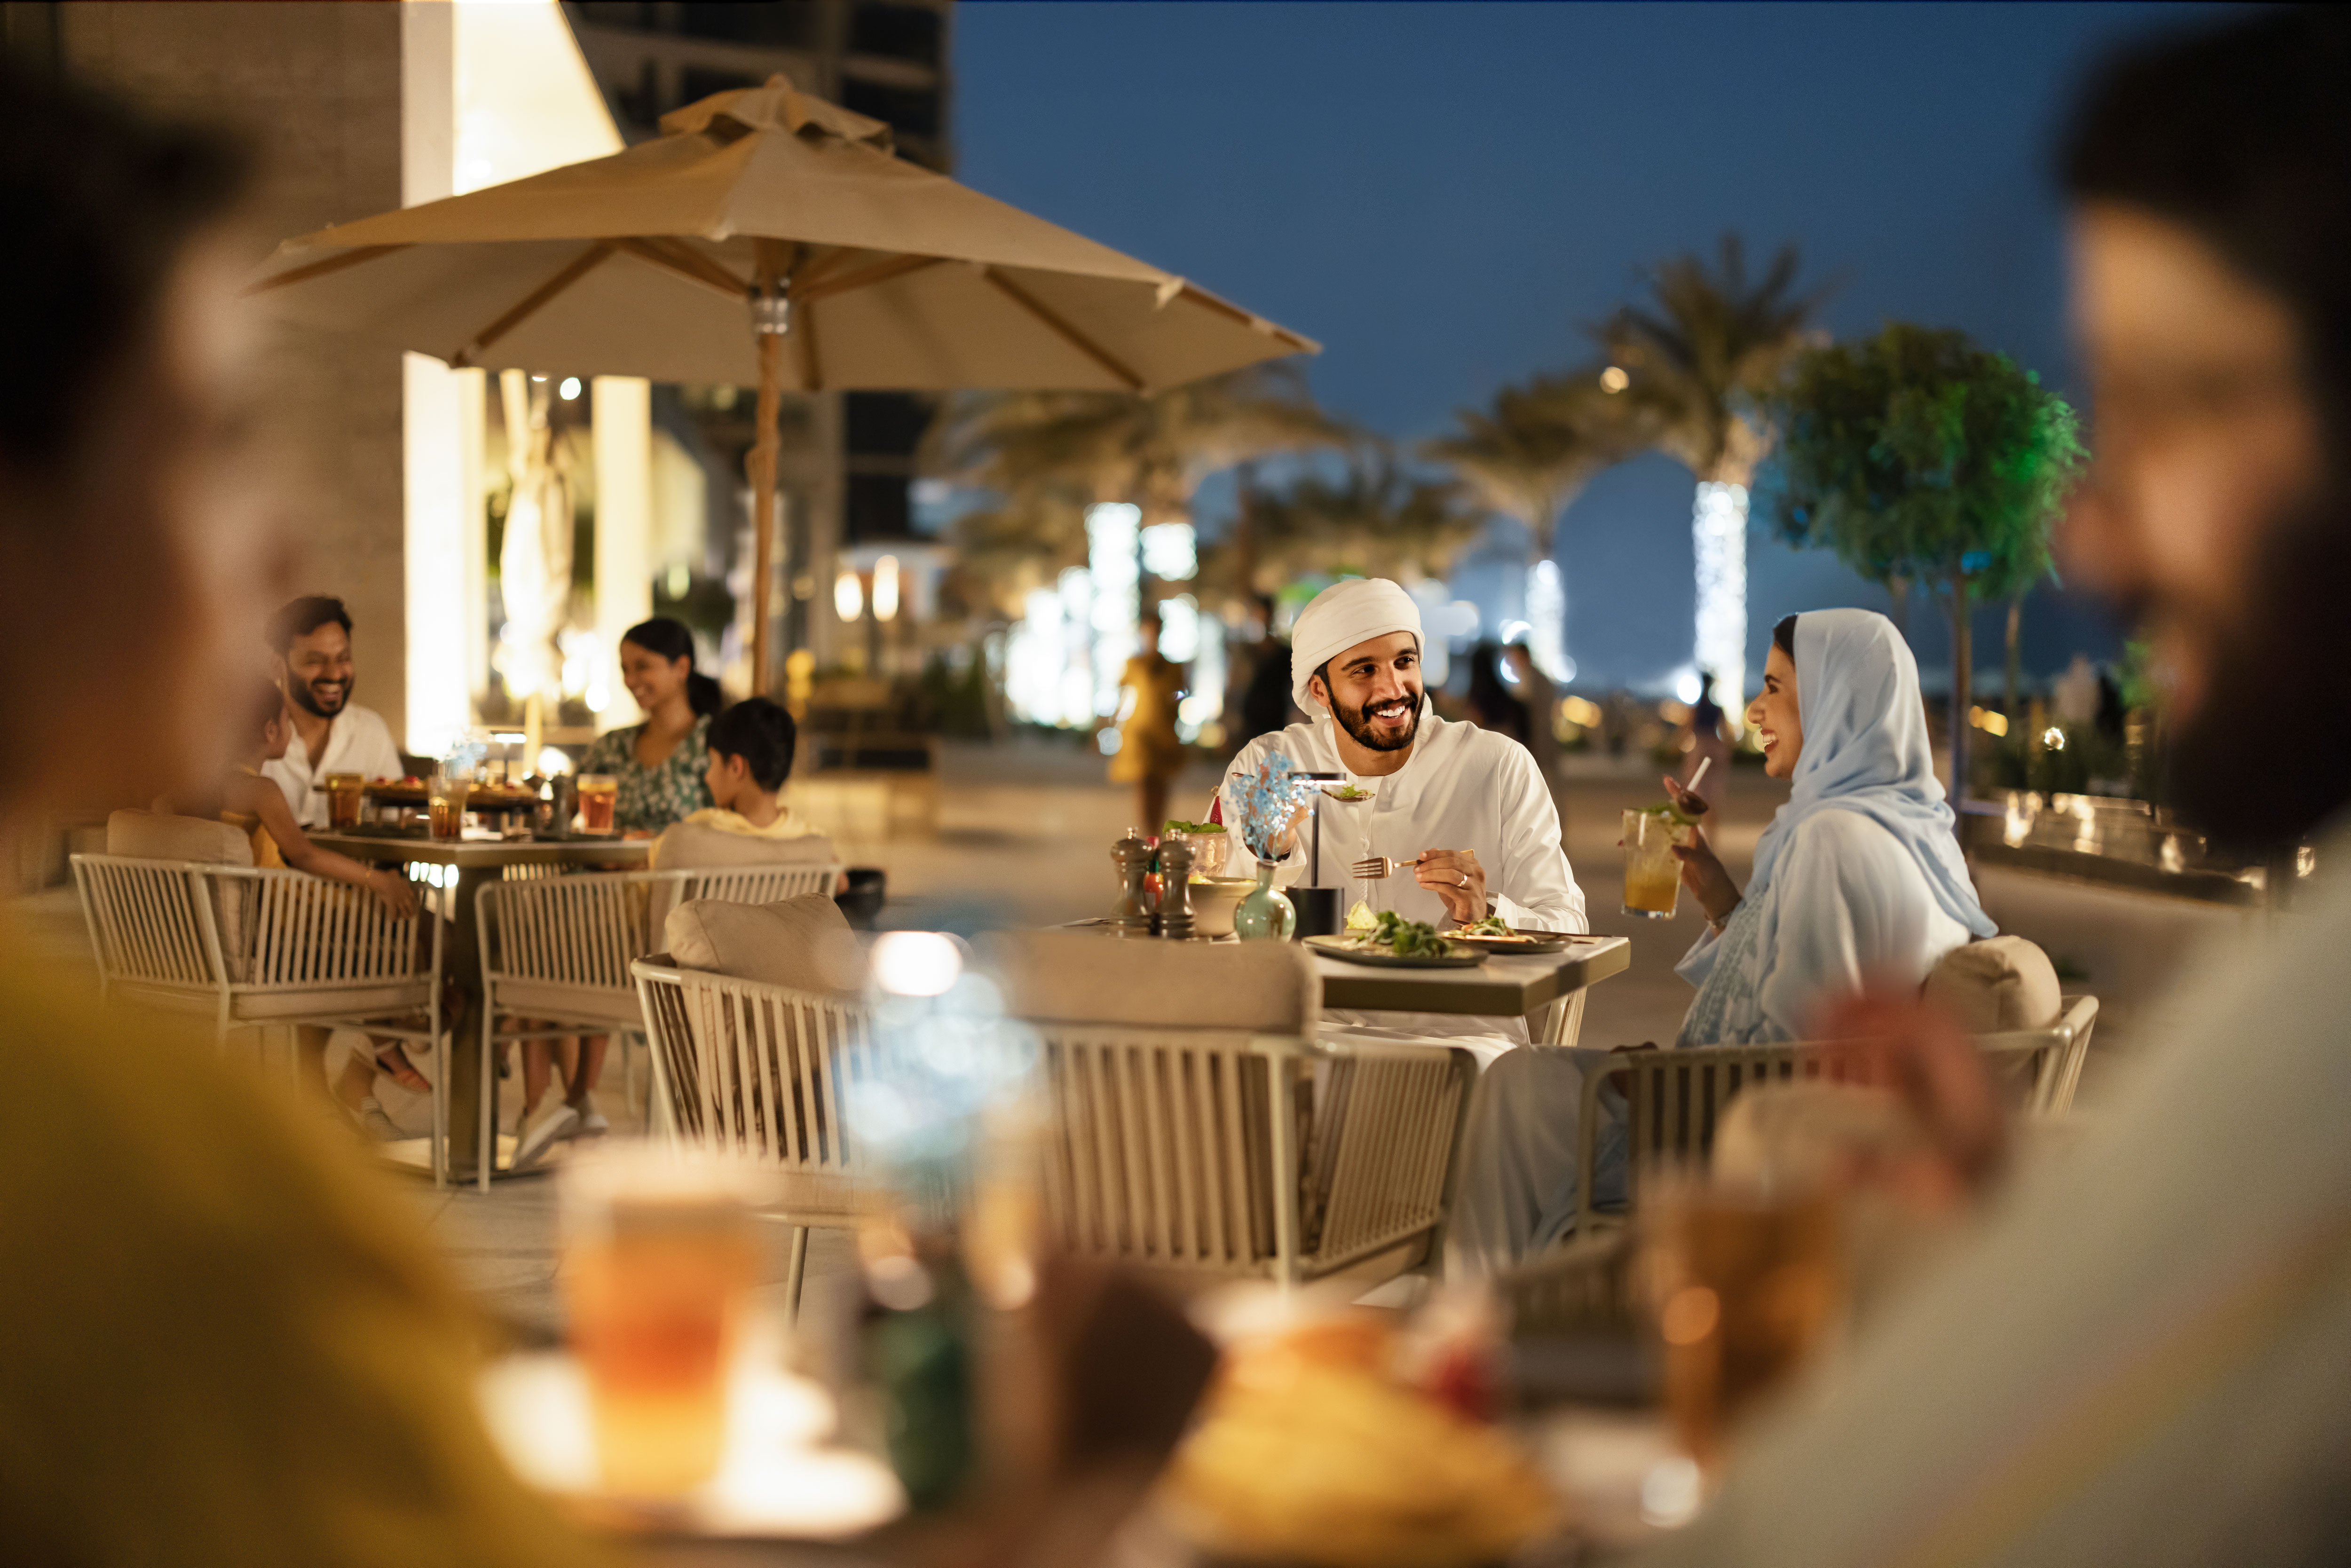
(659,765)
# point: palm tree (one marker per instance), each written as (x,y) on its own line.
(1376,521)
(1697,358)
(1051,456)
(1152,451)
(1529,456)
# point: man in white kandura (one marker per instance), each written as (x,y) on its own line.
(1467,817)
(1462,810)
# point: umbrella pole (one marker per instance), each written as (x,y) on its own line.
(764,454)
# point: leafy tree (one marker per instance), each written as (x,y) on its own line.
(1700,358)
(1915,454)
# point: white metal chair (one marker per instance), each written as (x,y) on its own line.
(557,950)
(761,1071)
(1675,1099)
(1234,1154)
(264,949)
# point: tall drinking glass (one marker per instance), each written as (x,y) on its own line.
(599,793)
(659,1254)
(447,798)
(1653,878)
(344,792)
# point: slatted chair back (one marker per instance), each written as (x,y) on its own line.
(563,946)
(308,934)
(1232,1154)
(1674,1100)
(758,1072)
(152,927)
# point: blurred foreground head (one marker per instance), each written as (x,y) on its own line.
(129,569)
(2210,177)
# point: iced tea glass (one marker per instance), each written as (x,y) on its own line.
(660,1253)
(599,793)
(1653,877)
(344,793)
(1745,1284)
(447,798)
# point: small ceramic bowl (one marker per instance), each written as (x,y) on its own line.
(1214,899)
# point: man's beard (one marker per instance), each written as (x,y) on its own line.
(1358,724)
(2266,758)
(300,692)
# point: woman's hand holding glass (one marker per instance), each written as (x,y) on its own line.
(1702,870)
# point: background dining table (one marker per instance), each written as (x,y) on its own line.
(477,861)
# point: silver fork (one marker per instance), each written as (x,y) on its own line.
(1373,869)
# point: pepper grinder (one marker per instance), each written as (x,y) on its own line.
(1131,855)
(1175,889)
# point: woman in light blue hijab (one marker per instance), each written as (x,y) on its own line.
(1859,877)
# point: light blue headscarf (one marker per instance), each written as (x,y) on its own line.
(1865,750)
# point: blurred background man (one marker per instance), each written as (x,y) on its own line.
(2146,1357)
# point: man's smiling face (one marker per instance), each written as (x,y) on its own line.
(1374,691)
(319,670)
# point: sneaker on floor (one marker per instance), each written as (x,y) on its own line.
(375,1124)
(542,1130)
(593,1122)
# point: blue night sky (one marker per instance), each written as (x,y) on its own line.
(1445,195)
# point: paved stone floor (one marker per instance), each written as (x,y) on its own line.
(1023,837)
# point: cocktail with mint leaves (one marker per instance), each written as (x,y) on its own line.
(1653,877)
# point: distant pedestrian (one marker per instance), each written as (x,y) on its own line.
(1150,753)
(1707,742)
(1266,705)
(1492,704)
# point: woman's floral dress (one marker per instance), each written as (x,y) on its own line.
(651,799)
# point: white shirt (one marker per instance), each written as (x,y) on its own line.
(1463,788)
(357,741)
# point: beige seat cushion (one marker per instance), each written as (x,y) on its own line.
(205,840)
(686,846)
(151,836)
(690,846)
(803,943)
(380,1000)
(1087,977)
(1793,1135)
(561,1003)
(1999,984)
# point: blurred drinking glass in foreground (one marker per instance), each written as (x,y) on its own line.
(1745,1282)
(659,1252)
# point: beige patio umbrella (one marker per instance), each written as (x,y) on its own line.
(766,238)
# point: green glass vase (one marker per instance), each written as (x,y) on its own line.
(1265,913)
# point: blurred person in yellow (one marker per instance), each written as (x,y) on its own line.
(223,1345)
(1150,753)
(2142,1356)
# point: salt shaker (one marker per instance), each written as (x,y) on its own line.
(1175,889)
(1131,917)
